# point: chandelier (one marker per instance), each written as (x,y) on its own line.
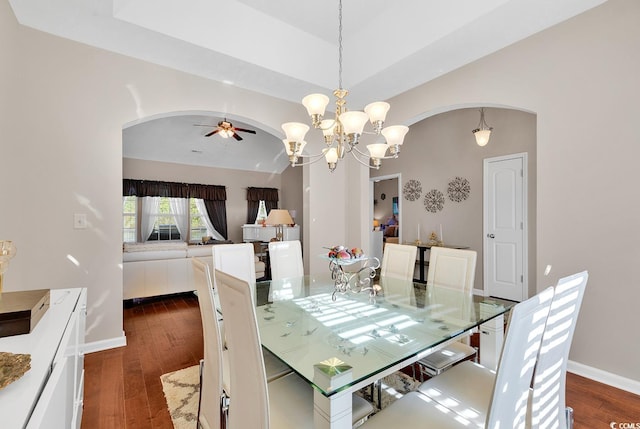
(342,133)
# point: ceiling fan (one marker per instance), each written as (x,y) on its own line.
(226,129)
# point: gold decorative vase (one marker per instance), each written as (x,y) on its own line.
(7,251)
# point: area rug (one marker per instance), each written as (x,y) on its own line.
(181,390)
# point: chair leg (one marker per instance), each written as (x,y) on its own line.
(569,416)
(200,396)
(224,411)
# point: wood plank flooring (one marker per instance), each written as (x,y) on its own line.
(123,389)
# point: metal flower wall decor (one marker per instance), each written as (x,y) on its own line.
(434,201)
(412,190)
(459,189)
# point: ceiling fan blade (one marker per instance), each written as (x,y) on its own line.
(212,132)
(244,130)
(236,136)
(204,125)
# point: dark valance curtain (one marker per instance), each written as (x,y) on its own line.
(152,188)
(254,195)
(214,196)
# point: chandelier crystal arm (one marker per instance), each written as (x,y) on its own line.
(368,155)
(366,164)
(315,159)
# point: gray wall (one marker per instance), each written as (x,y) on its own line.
(580,78)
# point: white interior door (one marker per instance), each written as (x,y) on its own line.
(505,227)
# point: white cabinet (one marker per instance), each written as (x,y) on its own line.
(50,394)
(252,232)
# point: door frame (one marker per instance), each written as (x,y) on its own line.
(372,180)
(525,220)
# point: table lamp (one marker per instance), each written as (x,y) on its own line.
(279,218)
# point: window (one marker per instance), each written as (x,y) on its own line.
(129,212)
(197,222)
(164,226)
(162,215)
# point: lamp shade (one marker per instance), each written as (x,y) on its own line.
(395,134)
(331,155)
(353,121)
(279,217)
(377,111)
(482,137)
(483,132)
(295,131)
(315,103)
(377,150)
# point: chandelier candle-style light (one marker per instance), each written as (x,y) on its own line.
(483,132)
(342,134)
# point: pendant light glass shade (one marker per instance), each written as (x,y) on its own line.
(483,132)
(377,111)
(315,104)
(295,131)
(482,137)
(395,134)
(353,121)
(331,155)
(377,150)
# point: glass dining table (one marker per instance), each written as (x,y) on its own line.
(343,342)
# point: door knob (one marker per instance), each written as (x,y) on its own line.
(491,236)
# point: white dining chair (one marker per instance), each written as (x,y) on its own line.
(548,405)
(456,269)
(238,261)
(286,259)
(286,402)
(503,406)
(398,261)
(213,400)
(547,408)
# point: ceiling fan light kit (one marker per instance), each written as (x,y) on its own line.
(225,129)
(342,134)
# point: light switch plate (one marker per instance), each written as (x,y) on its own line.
(80,221)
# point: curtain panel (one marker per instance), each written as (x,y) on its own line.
(217,211)
(254,195)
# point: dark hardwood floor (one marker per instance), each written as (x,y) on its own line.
(123,389)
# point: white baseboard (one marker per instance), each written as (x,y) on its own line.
(605,377)
(111,343)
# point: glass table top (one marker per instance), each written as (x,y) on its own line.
(301,324)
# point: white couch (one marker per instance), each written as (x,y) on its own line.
(152,269)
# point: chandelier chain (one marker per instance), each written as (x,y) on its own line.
(339,44)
